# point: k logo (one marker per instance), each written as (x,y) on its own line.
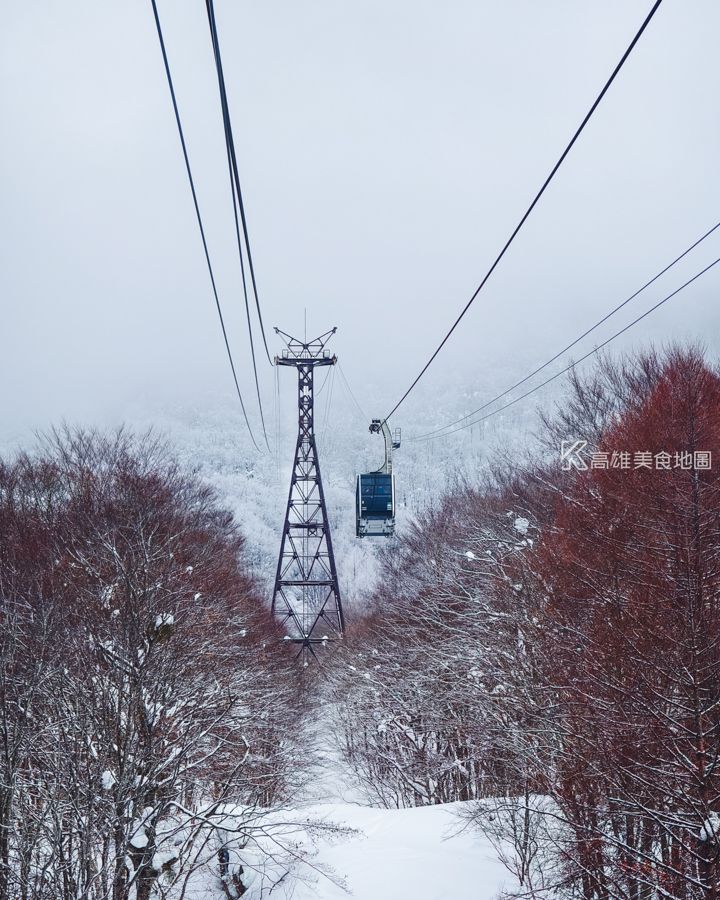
(570,455)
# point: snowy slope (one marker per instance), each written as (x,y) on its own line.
(406,853)
(211,438)
(329,851)
(207,434)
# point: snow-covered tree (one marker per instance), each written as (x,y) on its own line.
(632,573)
(435,686)
(157,692)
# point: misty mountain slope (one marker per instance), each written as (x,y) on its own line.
(212,438)
(208,434)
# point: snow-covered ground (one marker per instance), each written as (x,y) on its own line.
(405,853)
(333,850)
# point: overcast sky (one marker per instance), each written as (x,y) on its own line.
(387,149)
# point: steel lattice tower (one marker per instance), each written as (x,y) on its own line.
(306,598)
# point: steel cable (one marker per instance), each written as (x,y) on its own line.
(535,201)
(199,217)
(451,425)
(432,436)
(238,204)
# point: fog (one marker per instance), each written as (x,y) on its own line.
(386,151)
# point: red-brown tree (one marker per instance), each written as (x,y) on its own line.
(632,573)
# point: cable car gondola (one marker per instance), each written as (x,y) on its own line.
(375,497)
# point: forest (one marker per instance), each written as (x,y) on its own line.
(540,643)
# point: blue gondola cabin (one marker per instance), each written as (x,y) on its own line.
(375,505)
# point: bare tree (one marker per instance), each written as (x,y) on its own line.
(632,574)
(433,690)
(167,694)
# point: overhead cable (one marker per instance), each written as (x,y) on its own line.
(535,201)
(236,177)
(328,403)
(570,346)
(238,206)
(347,385)
(199,218)
(432,436)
